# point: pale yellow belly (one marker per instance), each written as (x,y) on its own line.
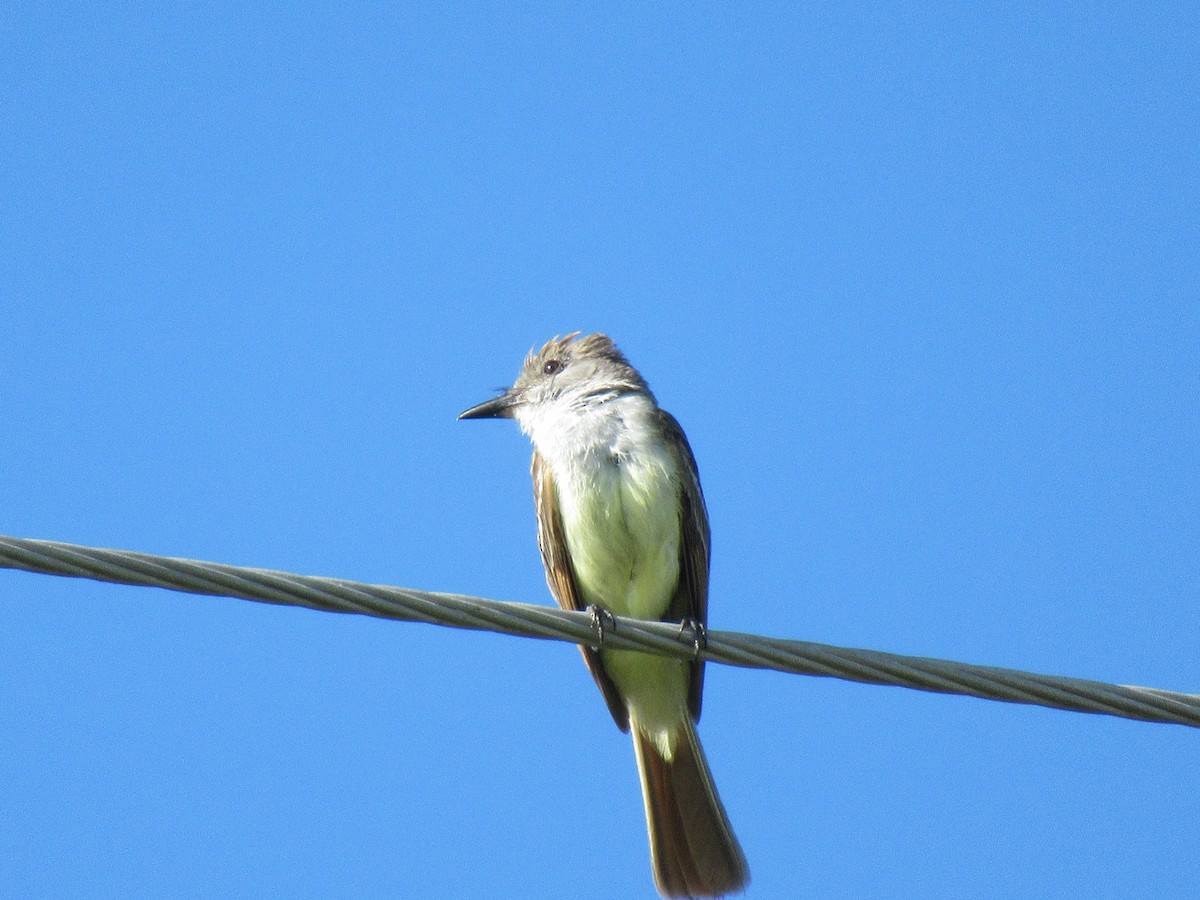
(622,529)
(623,533)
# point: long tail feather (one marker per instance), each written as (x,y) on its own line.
(692,845)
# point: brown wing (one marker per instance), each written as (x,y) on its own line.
(691,594)
(560,575)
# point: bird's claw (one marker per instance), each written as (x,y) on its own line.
(698,633)
(601,618)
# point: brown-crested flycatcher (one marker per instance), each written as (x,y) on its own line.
(622,528)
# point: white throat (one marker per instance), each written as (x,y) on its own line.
(569,433)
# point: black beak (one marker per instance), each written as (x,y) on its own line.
(499,408)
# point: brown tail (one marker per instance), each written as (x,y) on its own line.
(692,846)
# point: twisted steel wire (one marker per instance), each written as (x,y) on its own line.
(527,620)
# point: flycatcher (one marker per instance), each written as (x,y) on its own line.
(622,528)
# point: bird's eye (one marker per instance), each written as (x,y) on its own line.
(552,366)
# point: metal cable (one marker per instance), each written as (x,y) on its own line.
(733,648)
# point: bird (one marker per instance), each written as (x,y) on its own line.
(623,530)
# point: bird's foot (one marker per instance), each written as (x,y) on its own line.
(695,630)
(601,619)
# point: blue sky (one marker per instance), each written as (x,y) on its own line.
(920,284)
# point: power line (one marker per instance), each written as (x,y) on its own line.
(527,620)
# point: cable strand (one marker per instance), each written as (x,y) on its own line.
(550,623)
